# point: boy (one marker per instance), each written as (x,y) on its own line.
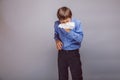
(68,37)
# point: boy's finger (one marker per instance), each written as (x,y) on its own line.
(59,46)
(61,43)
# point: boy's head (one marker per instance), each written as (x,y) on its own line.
(64,14)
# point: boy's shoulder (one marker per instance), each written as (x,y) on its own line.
(76,20)
(57,22)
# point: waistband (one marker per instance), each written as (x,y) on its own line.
(76,50)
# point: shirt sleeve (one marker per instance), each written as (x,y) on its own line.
(76,34)
(56,35)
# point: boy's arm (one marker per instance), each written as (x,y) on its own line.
(77,35)
(56,36)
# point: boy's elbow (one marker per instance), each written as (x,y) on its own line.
(80,38)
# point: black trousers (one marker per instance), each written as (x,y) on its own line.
(71,59)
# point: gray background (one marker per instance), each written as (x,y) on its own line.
(27,48)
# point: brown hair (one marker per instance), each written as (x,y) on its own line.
(64,13)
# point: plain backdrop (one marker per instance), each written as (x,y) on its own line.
(27,47)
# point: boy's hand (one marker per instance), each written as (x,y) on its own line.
(59,44)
